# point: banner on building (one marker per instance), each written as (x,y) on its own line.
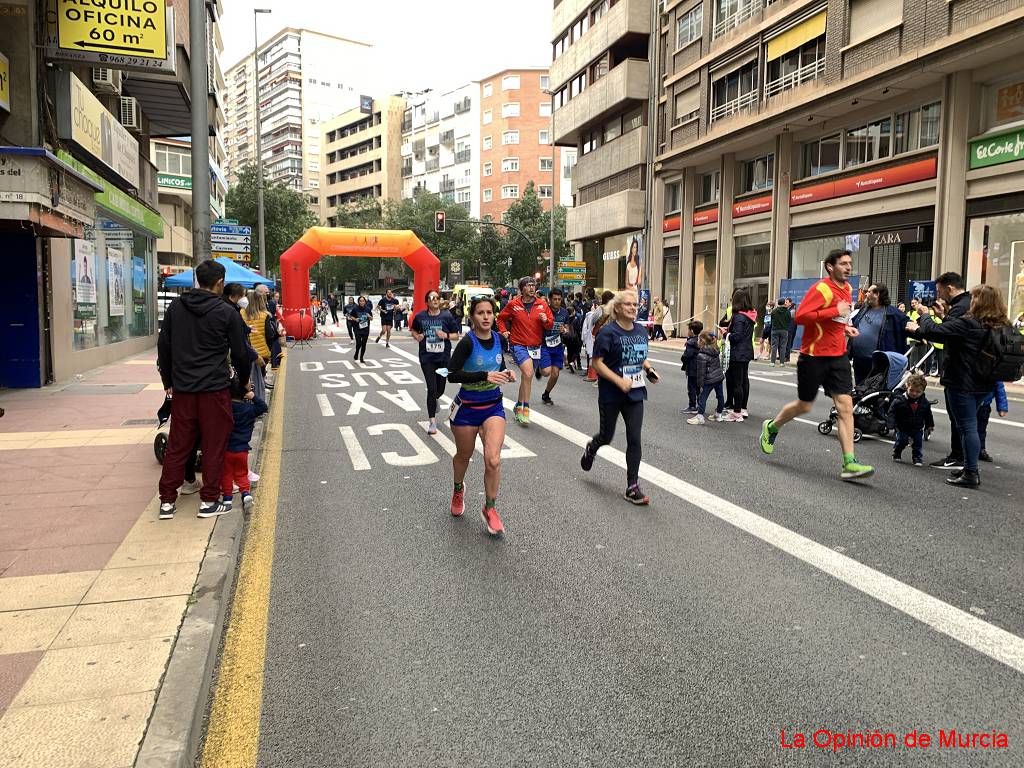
(115,281)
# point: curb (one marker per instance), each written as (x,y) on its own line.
(175,730)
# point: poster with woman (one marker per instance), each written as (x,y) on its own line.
(634,271)
(85,272)
(115,281)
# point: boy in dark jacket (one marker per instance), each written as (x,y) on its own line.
(689,360)
(912,414)
(246,408)
(709,376)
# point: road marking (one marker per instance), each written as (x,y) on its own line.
(421,453)
(325,405)
(964,627)
(355,450)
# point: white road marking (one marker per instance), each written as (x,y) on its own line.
(313,365)
(441,439)
(421,453)
(960,625)
(358,404)
(355,451)
(325,405)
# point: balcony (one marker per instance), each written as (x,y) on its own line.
(463,156)
(461,107)
(461,182)
(447,138)
(628,82)
(406,171)
(743,103)
(628,150)
(447,186)
(620,212)
(432,165)
(627,17)
(744,13)
(804,74)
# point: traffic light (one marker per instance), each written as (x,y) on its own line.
(439,221)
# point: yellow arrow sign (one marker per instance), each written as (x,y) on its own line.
(121,27)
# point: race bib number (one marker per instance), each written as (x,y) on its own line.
(435,345)
(534,352)
(364,323)
(635,374)
(553,341)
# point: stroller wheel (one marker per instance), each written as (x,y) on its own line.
(825,427)
(160,447)
(857,435)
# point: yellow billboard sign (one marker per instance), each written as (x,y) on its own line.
(5,84)
(132,27)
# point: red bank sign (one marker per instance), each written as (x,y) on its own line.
(751,206)
(705,216)
(898,175)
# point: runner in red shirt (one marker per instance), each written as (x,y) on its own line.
(523,321)
(825,313)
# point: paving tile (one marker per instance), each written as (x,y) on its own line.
(8,557)
(15,669)
(142,582)
(117,723)
(20,593)
(96,671)
(36,502)
(134,497)
(133,552)
(46,483)
(99,623)
(25,631)
(87,525)
(69,559)
(130,477)
(185,525)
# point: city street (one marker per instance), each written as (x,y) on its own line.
(757,602)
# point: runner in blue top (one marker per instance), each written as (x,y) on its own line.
(434,328)
(479,366)
(552,351)
(620,359)
(360,319)
(387,307)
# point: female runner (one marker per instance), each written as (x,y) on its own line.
(434,328)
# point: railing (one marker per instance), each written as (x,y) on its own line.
(461,182)
(448,138)
(406,171)
(461,107)
(406,126)
(745,101)
(447,185)
(737,17)
(811,71)
(433,165)
(463,156)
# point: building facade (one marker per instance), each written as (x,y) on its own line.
(601,83)
(440,145)
(301,85)
(516,143)
(361,155)
(891,128)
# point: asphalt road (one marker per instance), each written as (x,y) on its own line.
(755,595)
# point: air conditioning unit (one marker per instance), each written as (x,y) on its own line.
(107,80)
(131,118)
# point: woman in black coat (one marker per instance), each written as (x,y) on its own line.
(741,352)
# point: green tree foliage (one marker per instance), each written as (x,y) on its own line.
(493,256)
(286,215)
(458,241)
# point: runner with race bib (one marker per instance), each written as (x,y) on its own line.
(523,321)
(552,354)
(434,328)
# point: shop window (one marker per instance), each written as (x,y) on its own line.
(673,197)
(995,256)
(806,255)
(869,142)
(705,274)
(707,188)
(753,255)
(757,174)
(822,155)
(670,281)
(689,26)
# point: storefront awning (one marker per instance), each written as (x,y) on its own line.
(796,36)
(164,97)
(38,187)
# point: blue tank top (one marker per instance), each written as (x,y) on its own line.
(485,360)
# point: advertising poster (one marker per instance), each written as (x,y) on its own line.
(115,281)
(85,272)
(138,282)
(634,263)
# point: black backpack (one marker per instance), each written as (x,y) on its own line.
(1001,357)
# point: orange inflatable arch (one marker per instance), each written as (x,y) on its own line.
(330,241)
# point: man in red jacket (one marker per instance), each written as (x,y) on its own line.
(523,321)
(825,314)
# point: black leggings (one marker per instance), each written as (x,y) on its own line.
(361,339)
(633,415)
(435,385)
(737,382)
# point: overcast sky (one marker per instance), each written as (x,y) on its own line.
(420,44)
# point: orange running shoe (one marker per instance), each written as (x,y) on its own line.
(458,502)
(492,521)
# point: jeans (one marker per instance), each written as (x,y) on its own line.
(435,385)
(984,413)
(705,393)
(780,346)
(965,406)
(692,391)
(633,416)
(737,385)
(903,439)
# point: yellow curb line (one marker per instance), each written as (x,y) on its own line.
(233,734)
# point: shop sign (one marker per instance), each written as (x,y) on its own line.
(895,237)
(751,206)
(81,118)
(174,181)
(671,224)
(117,202)
(705,216)
(611,255)
(120,34)
(895,176)
(5,84)
(27,179)
(995,150)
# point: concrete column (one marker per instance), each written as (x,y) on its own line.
(654,247)
(726,241)
(951,185)
(686,287)
(778,267)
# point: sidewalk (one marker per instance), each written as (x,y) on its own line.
(93,587)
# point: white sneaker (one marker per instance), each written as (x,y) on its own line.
(432,427)
(187,488)
(698,419)
(731,416)
(253,477)
(247,502)
(744,413)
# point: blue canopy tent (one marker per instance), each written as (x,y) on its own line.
(235,273)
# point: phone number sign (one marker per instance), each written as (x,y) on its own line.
(128,27)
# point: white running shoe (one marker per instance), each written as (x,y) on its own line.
(731,416)
(253,477)
(698,419)
(744,413)
(187,488)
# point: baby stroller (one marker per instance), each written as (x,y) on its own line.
(163,430)
(872,399)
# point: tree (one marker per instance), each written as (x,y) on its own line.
(458,241)
(527,215)
(286,214)
(493,254)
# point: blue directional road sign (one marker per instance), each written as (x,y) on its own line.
(229,229)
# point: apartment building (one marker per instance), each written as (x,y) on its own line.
(786,128)
(440,138)
(305,77)
(361,155)
(516,142)
(601,82)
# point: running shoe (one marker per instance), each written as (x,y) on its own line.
(855,471)
(948,463)
(768,437)
(524,415)
(458,502)
(698,419)
(918,463)
(188,488)
(492,521)
(587,459)
(546,399)
(517,414)
(732,416)
(167,510)
(634,495)
(213,509)
(432,427)
(744,413)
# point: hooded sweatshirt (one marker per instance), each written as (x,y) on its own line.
(741,336)
(199,334)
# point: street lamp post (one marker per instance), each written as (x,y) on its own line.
(260,228)
(555,170)
(198,21)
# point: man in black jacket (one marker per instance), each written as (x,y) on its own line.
(199,333)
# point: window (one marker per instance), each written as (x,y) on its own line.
(176,160)
(687,105)
(757,174)
(488,168)
(869,17)
(673,197)
(544,137)
(510,137)
(509,191)
(708,186)
(796,56)
(547,164)
(930,125)
(869,142)
(487,117)
(822,155)
(488,89)
(544,191)
(545,82)
(510,109)
(589,141)
(488,142)
(510,164)
(488,195)
(732,13)
(734,91)
(633,120)
(689,26)
(462,196)
(545,109)
(510,83)
(612,129)
(577,84)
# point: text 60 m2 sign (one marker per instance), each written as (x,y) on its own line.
(131,27)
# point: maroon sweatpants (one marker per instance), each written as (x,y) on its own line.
(203,414)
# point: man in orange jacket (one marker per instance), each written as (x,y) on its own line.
(522,322)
